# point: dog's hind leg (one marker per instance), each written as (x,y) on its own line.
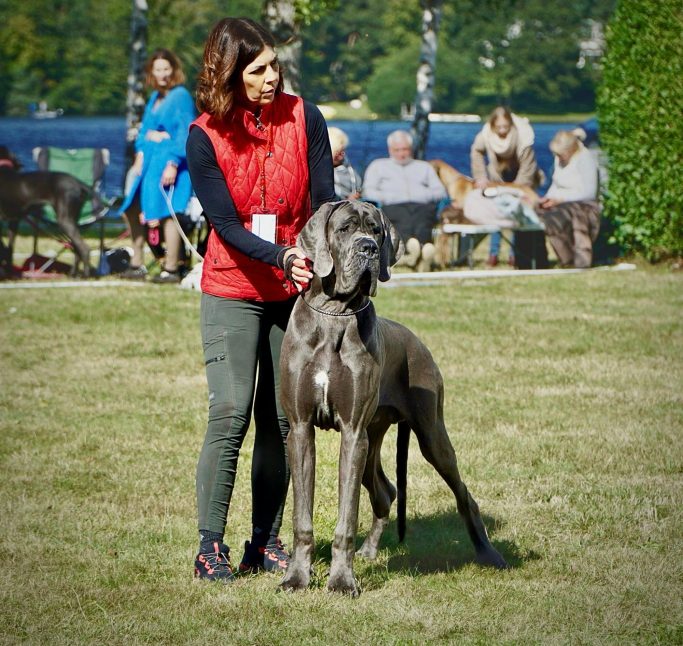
(67,210)
(382,493)
(437,449)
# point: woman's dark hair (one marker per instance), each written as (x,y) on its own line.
(232,44)
(178,76)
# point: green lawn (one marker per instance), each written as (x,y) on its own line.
(564,402)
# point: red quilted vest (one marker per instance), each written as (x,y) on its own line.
(241,151)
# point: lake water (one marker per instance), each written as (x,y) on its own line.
(447,141)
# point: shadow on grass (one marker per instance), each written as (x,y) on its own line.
(435,543)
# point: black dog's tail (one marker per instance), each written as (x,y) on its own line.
(402,443)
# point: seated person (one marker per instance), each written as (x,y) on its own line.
(569,210)
(347,182)
(408,191)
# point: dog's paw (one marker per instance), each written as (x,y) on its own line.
(492,558)
(345,583)
(296,578)
(368,550)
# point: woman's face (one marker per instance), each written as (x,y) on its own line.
(261,78)
(162,71)
(501,126)
(565,156)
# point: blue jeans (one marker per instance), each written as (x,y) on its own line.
(494,244)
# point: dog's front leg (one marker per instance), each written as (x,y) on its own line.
(353,454)
(301,450)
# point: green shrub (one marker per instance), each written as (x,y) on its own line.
(640,105)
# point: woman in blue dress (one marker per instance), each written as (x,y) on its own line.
(159,172)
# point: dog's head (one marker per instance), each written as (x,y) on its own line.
(8,159)
(352,246)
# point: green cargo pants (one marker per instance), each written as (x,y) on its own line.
(241,340)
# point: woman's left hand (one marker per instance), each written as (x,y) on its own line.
(169,175)
(157,136)
(300,273)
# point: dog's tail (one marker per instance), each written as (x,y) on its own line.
(402,443)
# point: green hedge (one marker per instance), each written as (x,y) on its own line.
(640,108)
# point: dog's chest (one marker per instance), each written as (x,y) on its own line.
(338,368)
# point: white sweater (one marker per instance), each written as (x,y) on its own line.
(578,180)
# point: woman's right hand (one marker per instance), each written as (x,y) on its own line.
(299,272)
(481,183)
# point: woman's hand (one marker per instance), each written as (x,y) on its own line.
(548,202)
(481,183)
(157,135)
(296,268)
(169,175)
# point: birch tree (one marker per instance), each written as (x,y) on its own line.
(426,72)
(135,99)
(280,19)
(284,19)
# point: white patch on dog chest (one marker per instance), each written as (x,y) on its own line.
(321,382)
(321,379)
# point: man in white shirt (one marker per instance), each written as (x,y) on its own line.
(408,191)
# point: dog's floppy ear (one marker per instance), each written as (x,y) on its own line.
(313,239)
(391,250)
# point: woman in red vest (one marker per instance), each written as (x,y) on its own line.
(260,163)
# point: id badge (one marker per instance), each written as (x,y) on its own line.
(264,226)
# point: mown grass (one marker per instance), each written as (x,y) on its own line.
(563,400)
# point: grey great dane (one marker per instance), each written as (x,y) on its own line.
(345,368)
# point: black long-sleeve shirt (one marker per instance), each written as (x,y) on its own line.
(213,193)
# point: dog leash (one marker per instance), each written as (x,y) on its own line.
(168,196)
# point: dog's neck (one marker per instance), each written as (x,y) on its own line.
(319,301)
(344,313)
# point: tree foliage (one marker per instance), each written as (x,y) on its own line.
(73,53)
(640,107)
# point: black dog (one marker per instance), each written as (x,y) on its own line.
(20,193)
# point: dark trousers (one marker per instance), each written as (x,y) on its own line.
(242,339)
(413,220)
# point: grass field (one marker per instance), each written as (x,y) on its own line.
(564,402)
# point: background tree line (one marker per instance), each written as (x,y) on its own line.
(527,53)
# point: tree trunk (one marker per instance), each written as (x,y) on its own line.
(279,17)
(135,99)
(431,16)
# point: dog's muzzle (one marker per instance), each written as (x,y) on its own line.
(366,246)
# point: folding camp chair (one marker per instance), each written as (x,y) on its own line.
(85,164)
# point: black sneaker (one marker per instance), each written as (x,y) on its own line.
(167,277)
(214,566)
(271,558)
